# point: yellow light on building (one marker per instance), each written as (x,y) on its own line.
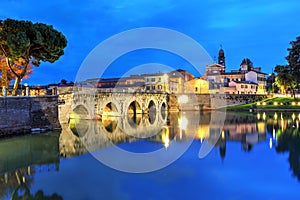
(258,103)
(275,103)
(264,103)
(293,103)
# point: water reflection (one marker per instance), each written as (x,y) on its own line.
(179,127)
(285,137)
(21,159)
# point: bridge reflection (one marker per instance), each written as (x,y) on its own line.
(167,127)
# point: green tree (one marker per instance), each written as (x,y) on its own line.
(294,59)
(248,62)
(285,79)
(30,42)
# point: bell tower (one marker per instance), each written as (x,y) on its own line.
(221,57)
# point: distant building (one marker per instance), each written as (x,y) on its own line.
(239,87)
(132,83)
(197,86)
(245,80)
(157,82)
(177,79)
(108,82)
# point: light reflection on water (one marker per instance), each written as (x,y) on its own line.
(255,155)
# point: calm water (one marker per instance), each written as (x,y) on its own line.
(256,156)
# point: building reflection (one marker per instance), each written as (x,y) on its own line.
(281,129)
(178,127)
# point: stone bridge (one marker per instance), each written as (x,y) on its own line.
(91,104)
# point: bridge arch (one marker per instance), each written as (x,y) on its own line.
(110,109)
(80,110)
(152,106)
(134,108)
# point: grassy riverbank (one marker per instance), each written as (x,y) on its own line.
(277,103)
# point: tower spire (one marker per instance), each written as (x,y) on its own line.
(221,58)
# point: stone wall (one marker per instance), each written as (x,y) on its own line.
(211,101)
(237,99)
(21,114)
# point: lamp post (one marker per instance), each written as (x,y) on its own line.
(26,89)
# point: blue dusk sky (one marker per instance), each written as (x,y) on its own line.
(260,30)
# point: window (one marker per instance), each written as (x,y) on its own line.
(153,87)
(159,87)
(246,86)
(147,79)
(152,79)
(147,87)
(196,89)
(159,79)
(242,86)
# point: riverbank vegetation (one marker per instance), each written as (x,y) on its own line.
(280,103)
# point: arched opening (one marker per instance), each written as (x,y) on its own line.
(81,110)
(110,109)
(163,110)
(134,108)
(151,106)
(79,121)
(134,113)
(151,112)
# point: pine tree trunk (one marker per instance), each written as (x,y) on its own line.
(16,85)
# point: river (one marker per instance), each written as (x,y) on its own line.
(243,156)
